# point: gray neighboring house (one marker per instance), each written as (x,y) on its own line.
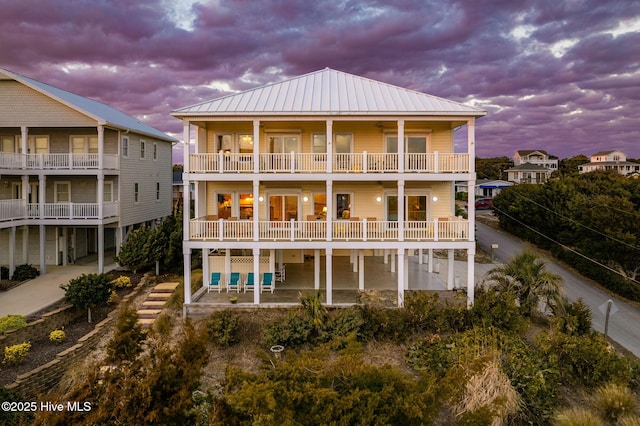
(76,175)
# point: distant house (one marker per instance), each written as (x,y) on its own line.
(539,157)
(610,160)
(178,190)
(528,173)
(76,175)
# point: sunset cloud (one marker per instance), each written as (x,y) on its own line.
(563,76)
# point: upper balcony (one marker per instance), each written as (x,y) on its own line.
(363,162)
(12,210)
(439,229)
(65,161)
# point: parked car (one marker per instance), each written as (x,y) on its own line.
(484,203)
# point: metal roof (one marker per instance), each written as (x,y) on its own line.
(330,92)
(100,112)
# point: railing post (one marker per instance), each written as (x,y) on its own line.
(70,160)
(220,229)
(220,162)
(292,230)
(364,162)
(436,231)
(436,162)
(364,229)
(293,161)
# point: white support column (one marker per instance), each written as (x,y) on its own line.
(329,275)
(100,249)
(256,210)
(42,188)
(471,184)
(100,195)
(400,149)
(186,201)
(119,238)
(227,265)
(100,152)
(420,257)
(430,262)
(25,244)
(316,269)
(206,275)
(386,256)
(329,131)
(451,266)
(65,253)
(256,275)
(361,269)
(393,261)
(353,258)
(12,250)
(329,216)
(256,154)
(272,260)
(24,133)
(470,277)
(406,272)
(401,272)
(187,275)
(401,214)
(43,242)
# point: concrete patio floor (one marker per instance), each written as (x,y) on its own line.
(377,276)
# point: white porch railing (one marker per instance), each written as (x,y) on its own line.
(342,230)
(67,161)
(72,210)
(363,162)
(12,209)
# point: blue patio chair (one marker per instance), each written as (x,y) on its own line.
(234,282)
(249,282)
(267,282)
(214,284)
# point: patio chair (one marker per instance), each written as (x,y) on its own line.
(267,282)
(234,282)
(249,282)
(214,284)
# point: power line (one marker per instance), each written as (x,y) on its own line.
(580,224)
(566,247)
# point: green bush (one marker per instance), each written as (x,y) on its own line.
(576,321)
(16,354)
(223,328)
(24,272)
(125,345)
(87,291)
(385,324)
(295,331)
(497,309)
(57,336)
(343,323)
(12,322)
(585,360)
(122,282)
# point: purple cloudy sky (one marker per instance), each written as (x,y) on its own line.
(560,75)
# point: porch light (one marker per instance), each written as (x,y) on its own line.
(435,198)
(305,198)
(378,198)
(261,199)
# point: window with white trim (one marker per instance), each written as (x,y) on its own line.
(125,146)
(143,148)
(136,192)
(155,151)
(157,191)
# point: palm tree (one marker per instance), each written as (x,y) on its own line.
(525,276)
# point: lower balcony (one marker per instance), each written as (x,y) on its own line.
(210,229)
(71,210)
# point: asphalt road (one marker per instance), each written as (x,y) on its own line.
(624,325)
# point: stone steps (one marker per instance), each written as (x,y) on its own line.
(154,303)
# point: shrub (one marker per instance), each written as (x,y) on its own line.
(223,328)
(126,341)
(614,401)
(57,336)
(24,272)
(16,354)
(122,282)
(498,309)
(87,291)
(343,323)
(629,420)
(113,298)
(294,331)
(577,417)
(12,322)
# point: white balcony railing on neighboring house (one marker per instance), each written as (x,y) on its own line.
(12,210)
(72,210)
(64,161)
(363,162)
(454,229)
